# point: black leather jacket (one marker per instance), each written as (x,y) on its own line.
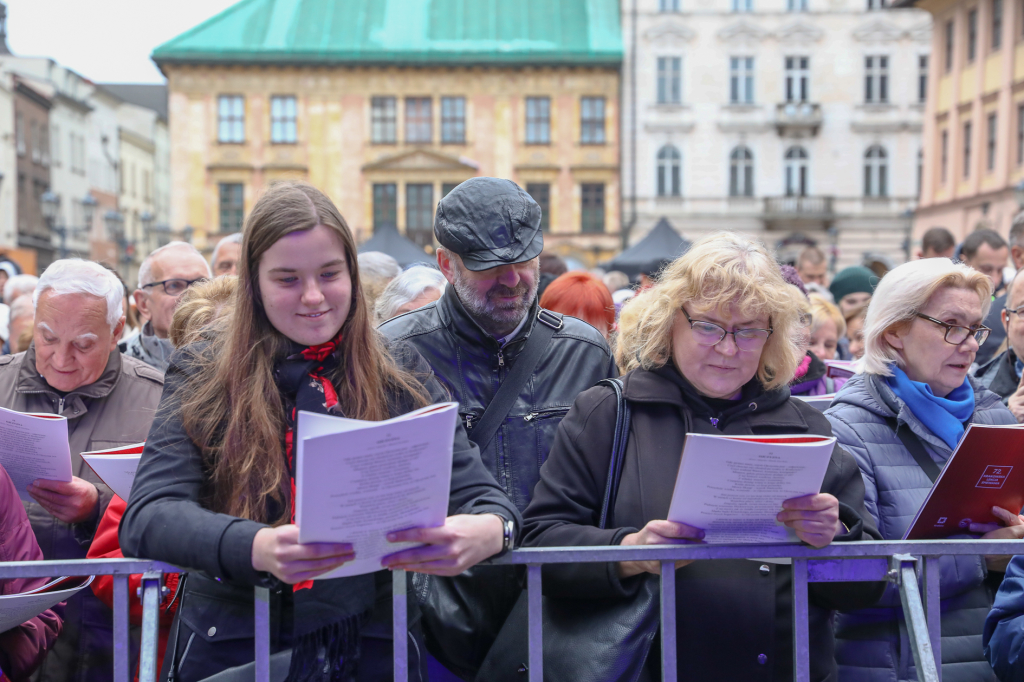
(472,366)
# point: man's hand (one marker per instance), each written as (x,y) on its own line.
(462,542)
(278,552)
(71,502)
(1016,401)
(815,518)
(658,533)
(1010,527)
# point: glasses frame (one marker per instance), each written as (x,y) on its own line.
(1015,311)
(971,331)
(770,330)
(163,284)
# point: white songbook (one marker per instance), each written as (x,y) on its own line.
(357,480)
(732,487)
(34,446)
(16,609)
(116,467)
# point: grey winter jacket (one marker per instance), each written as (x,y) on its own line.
(872,644)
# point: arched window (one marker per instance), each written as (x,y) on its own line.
(669,173)
(876,181)
(741,172)
(796,172)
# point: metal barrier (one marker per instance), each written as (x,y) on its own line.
(898,562)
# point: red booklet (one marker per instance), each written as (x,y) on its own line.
(986,470)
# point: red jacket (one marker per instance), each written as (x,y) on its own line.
(23,648)
(105,546)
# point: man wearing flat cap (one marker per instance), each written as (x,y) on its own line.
(474,335)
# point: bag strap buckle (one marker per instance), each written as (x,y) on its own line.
(553,320)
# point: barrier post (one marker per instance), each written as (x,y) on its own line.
(150,595)
(536,620)
(932,609)
(668,621)
(905,574)
(400,624)
(122,649)
(262,630)
(801,645)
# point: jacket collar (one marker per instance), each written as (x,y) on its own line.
(765,408)
(31,381)
(468,331)
(1003,368)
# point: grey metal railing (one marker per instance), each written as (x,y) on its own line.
(899,562)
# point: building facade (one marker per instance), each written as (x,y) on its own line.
(789,120)
(32,146)
(389,119)
(974,120)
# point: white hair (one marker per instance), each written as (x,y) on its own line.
(378,265)
(19,285)
(408,286)
(902,293)
(77,276)
(22,307)
(146,269)
(234,238)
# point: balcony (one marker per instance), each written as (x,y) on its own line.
(798,119)
(792,212)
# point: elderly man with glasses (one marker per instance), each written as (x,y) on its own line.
(163,278)
(1002,374)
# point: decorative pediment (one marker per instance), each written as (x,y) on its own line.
(742,32)
(799,32)
(670,32)
(922,33)
(422,159)
(877,31)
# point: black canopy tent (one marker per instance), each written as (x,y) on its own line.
(660,243)
(386,239)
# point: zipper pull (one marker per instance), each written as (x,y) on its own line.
(60,406)
(530,417)
(501,359)
(469,422)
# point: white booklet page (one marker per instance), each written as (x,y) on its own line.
(732,487)
(34,446)
(116,467)
(15,609)
(357,481)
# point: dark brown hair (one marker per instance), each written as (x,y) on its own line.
(233,410)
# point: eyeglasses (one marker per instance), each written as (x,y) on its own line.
(957,334)
(175,287)
(1015,311)
(711,334)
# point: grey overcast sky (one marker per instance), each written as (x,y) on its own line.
(107,41)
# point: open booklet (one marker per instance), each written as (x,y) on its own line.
(818,402)
(840,369)
(34,446)
(15,609)
(356,480)
(732,487)
(986,470)
(116,467)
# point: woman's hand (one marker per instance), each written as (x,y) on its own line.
(462,542)
(815,518)
(658,533)
(278,552)
(1010,527)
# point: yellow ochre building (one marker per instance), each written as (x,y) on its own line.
(388,104)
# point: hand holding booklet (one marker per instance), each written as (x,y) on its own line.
(732,487)
(34,446)
(356,481)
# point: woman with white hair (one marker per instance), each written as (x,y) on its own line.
(414,288)
(709,348)
(902,416)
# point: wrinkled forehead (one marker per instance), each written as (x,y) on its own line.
(74,314)
(735,308)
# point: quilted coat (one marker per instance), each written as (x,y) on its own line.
(872,644)
(1004,629)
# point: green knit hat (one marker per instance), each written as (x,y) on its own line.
(853,280)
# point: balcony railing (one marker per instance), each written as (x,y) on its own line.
(782,208)
(798,119)
(898,562)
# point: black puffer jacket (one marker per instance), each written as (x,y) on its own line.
(472,365)
(165,520)
(734,618)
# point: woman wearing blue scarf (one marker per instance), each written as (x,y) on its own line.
(922,331)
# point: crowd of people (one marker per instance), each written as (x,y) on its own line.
(209,363)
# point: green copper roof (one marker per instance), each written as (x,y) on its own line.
(404,31)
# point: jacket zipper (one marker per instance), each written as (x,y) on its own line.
(501,359)
(540,414)
(60,406)
(469,421)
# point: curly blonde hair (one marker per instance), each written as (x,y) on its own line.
(201,305)
(718,270)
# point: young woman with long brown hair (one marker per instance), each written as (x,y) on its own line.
(214,489)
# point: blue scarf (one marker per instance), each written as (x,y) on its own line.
(944,417)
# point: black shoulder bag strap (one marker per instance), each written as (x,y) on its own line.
(913,444)
(547,324)
(619,442)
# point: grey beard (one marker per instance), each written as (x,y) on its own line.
(497,320)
